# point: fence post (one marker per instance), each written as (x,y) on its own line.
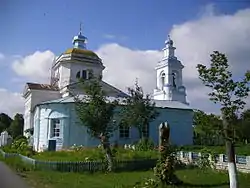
(221,158)
(190,157)
(181,155)
(248,162)
(199,155)
(210,157)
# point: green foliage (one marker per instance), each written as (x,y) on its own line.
(228,93)
(16,127)
(204,163)
(20,137)
(95,111)
(138,110)
(95,154)
(19,146)
(208,128)
(192,177)
(18,165)
(147,183)
(165,167)
(144,144)
(5,122)
(244,130)
(97,114)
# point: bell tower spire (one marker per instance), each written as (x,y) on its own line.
(169,76)
(80,40)
(169,49)
(80,33)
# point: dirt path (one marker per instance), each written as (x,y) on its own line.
(8,179)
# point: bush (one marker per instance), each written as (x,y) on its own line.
(20,137)
(95,154)
(144,144)
(19,146)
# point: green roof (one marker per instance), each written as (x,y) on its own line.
(81,51)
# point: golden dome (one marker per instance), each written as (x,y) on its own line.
(81,51)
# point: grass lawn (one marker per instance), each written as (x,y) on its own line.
(122,154)
(94,154)
(192,178)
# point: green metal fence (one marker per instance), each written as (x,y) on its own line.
(91,166)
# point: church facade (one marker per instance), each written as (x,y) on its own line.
(50,111)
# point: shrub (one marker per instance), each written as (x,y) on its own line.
(19,146)
(20,137)
(144,144)
(95,154)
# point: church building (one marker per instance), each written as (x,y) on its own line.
(50,111)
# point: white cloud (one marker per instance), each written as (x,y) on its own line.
(35,66)
(109,36)
(124,65)
(112,37)
(194,40)
(11,103)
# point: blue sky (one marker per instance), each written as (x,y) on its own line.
(121,32)
(27,26)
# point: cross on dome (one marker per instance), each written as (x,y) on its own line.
(169,41)
(80,33)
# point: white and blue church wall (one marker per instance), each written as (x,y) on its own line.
(59,121)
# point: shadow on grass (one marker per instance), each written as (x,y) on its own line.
(203,185)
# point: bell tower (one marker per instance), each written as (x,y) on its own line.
(169,76)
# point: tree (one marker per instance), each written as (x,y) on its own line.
(138,111)
(5,122)
(207,127)
(245,126)
(16,127)
(97,114)
(230,95)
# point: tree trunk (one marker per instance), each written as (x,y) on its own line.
(109,157)
(140,132)
(232,170)
(108,152)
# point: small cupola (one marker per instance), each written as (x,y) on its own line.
(80,41)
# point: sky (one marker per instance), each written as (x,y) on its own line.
(127,35)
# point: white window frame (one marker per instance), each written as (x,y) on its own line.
(124,132)
(55,128)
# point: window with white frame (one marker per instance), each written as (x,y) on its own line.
(55,127)
(78,75)
(124,131)
(84,74)
(145,131)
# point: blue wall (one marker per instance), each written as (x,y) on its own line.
(72,131)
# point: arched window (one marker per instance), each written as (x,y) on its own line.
(84,74)
(163,76)
(174,79)
(78,74)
